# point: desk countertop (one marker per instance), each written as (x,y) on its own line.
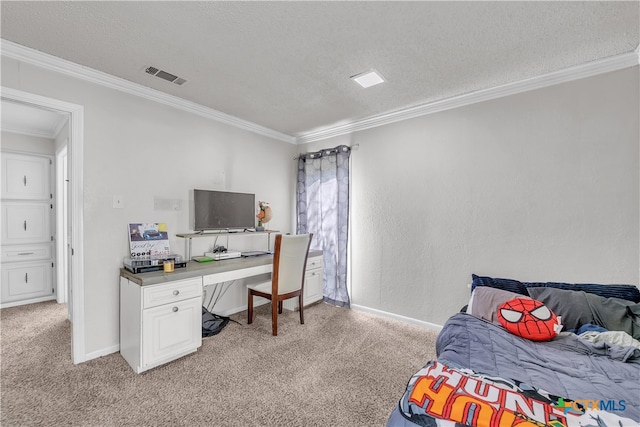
(195,269)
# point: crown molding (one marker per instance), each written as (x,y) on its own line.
(36,133)
(53,63)
(588,69)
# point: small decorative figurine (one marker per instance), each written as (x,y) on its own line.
(264,215)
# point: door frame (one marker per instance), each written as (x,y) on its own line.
(62,224)
(75,149)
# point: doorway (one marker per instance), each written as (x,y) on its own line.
(73,266)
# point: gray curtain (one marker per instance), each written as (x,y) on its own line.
(323,209)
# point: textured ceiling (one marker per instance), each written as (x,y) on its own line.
(286,65)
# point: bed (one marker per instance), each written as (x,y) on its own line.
(532,354)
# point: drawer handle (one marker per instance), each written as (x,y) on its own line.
(25,225)
(176,292)
(175,309)
(25,253)
(26,277)
(24,180)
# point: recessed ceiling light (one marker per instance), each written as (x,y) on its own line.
(368,78)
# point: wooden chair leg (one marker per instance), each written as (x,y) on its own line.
(301,309)
(249,307)
(274,317)
(279,307)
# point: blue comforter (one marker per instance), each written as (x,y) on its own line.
(566,366)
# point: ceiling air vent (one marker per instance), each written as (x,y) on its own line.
(151,70)
(164,75)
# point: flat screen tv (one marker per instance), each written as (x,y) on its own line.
(221,210)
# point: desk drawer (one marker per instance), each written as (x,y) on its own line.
(314,263)
(153,296)
(241,273)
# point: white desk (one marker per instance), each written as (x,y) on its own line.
(161,313)
(215,271)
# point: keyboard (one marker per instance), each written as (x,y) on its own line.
(254,253)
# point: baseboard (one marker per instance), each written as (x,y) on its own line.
(404,319)
(102,352)
(28,301)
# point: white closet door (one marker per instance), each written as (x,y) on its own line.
(22,281)
(25,177)
(26,222)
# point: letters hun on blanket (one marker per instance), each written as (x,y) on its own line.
(440,395)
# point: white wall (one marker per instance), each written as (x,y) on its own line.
(540,186)
(26,143)
(142,151)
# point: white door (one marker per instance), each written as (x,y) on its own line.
(62,228)
(26,280)
(25,177)
(26,222)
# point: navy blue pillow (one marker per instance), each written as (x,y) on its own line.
(504,284)
(627,292)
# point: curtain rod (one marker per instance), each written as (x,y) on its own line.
(351,147)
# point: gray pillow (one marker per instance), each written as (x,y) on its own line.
(484,302)
(578,308)
(572,306)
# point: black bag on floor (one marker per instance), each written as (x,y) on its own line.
(212,324)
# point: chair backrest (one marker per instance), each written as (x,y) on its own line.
(289,262)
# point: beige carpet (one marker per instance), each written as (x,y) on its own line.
(342,368)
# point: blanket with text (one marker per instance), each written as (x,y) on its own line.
(445,395)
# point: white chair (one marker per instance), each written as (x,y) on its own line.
(287,277)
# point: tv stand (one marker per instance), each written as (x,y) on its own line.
(222,233)
(219,232)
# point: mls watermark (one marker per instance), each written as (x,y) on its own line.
(579,405)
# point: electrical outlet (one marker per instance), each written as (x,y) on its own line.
(118,202)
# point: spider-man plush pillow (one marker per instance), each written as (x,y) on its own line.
(528,318)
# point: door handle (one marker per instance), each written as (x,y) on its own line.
(25,225)
(24,180)
(26,277)
(175,309)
